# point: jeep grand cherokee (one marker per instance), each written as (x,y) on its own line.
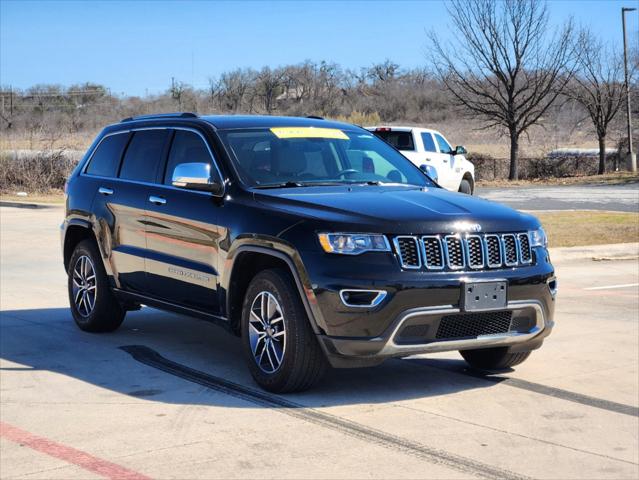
(314,241)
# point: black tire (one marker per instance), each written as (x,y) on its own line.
(465,187)
(493,358)
(107,314)
(303,362)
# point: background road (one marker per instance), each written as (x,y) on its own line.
(170,397)
(623,198)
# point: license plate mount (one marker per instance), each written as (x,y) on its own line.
(480,296)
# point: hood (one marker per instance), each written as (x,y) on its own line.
(395,209)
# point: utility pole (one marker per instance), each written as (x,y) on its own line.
(632,158)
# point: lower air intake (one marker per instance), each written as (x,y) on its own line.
(470,325)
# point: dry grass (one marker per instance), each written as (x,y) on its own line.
(579,228)
(55,197)
(613,178)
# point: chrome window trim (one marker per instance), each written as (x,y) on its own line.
(503,238)
(139,129)
(463,252)
(501,251)
(379,298)
(399,252)
(481,247)
(441,250)
(529,261)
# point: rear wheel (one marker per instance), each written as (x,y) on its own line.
(93,305)
(493,358)
(282,352)
(465,187)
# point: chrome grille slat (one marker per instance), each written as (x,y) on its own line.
(433,252)
(454,252)
(408,250)
(511,254)
(475,251)
(460,252)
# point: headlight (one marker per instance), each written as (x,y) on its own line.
(538,238)
(353,243)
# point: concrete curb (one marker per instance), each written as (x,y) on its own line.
(8,203)
(614,251)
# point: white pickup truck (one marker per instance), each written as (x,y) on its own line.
(425,147)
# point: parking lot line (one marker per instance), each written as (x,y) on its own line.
(606,287)
(69,454)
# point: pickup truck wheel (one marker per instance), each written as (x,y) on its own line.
(465,187)
(493,358)
(282,352)
(93,305)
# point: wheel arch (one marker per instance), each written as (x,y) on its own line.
(246,262)
(76,231)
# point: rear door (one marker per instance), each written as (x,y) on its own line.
(181,231)
(125,202)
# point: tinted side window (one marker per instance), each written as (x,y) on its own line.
(399,140)
(429,143)
(443,144)
(187,147)
(143,156)
(106,158)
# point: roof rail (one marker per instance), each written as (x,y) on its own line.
(161,115)
(316,117)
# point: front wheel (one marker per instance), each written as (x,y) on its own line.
(281,350)
(493,358)
(465,187)
(93,305)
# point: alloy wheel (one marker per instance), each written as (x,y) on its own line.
(84,286)
(267,332)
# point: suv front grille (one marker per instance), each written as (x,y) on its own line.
(460,252)
(473,324)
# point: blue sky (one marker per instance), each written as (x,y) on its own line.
(136,47)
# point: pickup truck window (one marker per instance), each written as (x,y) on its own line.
(429,143)
(399,140)
(443,144)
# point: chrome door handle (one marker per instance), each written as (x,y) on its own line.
(105,191)
(157,200)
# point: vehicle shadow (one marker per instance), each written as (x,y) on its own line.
(48,340)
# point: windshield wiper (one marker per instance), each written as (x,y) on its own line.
(288,184)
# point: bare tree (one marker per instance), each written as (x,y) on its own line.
(598,87)
(501,67)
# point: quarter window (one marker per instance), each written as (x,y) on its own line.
(187,147)
(444,147)
(429,143)
(107,156)
(143,156)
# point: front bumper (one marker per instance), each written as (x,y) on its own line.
(349,352)
(353,336)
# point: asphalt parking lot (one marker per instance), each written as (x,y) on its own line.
(622,198)
(169,397)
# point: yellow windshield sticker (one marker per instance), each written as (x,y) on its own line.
(308,132)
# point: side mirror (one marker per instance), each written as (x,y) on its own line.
(430,171)
(459,150)
(196,176)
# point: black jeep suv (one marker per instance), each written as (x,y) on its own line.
(315,241)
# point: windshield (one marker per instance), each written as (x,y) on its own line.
(304,156)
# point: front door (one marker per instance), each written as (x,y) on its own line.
(446,164)
(181,232)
